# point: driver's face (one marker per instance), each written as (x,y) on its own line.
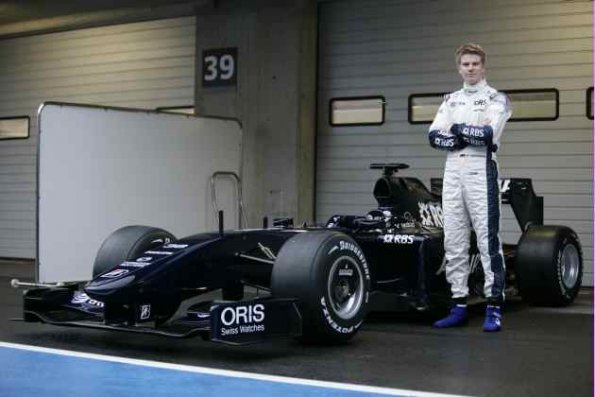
(471,68)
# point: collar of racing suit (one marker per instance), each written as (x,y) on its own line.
(472,89)
(474,151)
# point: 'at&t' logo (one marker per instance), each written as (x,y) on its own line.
(504,185)
(242,315)
(430,214)
(115,273)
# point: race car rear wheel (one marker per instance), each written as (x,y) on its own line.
(549,265)
(128,243)
(328,274)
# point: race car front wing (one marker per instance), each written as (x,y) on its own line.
(230,322)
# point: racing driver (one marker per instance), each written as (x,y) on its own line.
(468,125)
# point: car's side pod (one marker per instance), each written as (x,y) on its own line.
(519,193)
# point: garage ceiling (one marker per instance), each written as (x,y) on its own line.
(21,18)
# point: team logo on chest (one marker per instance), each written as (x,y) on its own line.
(480,105)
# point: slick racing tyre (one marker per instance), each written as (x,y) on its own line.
(549,265)
(128,243)
(328,274)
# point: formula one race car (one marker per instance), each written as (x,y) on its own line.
(317,283)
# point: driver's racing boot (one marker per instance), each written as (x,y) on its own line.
(457,316)
(493,321)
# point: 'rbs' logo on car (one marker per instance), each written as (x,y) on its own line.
(398,238)
(242,315)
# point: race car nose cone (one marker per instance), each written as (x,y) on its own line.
(100,288)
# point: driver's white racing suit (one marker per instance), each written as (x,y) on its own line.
(468,125)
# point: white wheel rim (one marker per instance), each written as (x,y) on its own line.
(345,287)
(570,265)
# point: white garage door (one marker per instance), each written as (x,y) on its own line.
(398,48)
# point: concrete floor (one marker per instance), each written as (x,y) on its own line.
(541,352)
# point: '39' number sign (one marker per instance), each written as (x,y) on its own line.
(219,67)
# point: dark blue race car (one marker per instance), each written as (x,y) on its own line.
(315,283)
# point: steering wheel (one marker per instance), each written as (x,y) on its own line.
(389,168)
(363,223)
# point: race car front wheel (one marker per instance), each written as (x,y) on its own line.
(328,274)
(549,265)
(128,243)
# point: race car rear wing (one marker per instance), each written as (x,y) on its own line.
(519,193)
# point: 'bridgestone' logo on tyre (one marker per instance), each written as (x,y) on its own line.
(344,245)
(332,323)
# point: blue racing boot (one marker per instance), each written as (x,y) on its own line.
(457,316)
(493,321)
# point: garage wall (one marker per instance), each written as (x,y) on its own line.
(397,48)
(144,65)
(274,99)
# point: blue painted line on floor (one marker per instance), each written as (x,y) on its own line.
(27,371)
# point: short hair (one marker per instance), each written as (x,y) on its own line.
(470,48)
